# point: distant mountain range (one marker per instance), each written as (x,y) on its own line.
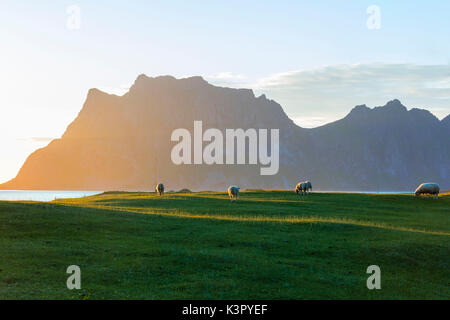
(124,143)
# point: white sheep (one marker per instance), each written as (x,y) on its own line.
(427,188)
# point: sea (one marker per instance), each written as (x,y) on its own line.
(42,195)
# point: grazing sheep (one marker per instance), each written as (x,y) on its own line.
(308,185)
(303,187)
(298,188)
(233,192)
(160,189)
(427,188)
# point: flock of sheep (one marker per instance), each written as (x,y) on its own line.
(305,186)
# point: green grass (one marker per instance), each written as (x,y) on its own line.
(268,245)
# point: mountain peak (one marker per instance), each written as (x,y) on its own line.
(95,91)
(94,95)
(358,111)
(395,104)
(422,114)
(141,77)
(144,78)
(390,108)
(360,108)
(196,79)
(143,82)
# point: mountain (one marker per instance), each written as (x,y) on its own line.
(384,148)
(124,143)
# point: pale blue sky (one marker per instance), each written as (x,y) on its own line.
(308,55)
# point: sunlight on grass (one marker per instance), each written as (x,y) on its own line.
(93,202)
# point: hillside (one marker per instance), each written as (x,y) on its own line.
(268,245)
(123,143)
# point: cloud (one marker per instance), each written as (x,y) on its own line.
(314,97)
(317,96)
(228,79)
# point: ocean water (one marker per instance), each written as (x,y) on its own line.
(38,195)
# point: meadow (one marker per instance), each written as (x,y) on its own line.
(268,245)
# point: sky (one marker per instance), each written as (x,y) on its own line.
(318,59)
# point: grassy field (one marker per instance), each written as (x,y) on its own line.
(268,245)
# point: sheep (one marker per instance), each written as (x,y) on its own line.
(308,185)
(427,188)
(160,189)
(233,192)
(298,188)
(303,187)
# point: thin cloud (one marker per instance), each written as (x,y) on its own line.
(228,79)
(313,97)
